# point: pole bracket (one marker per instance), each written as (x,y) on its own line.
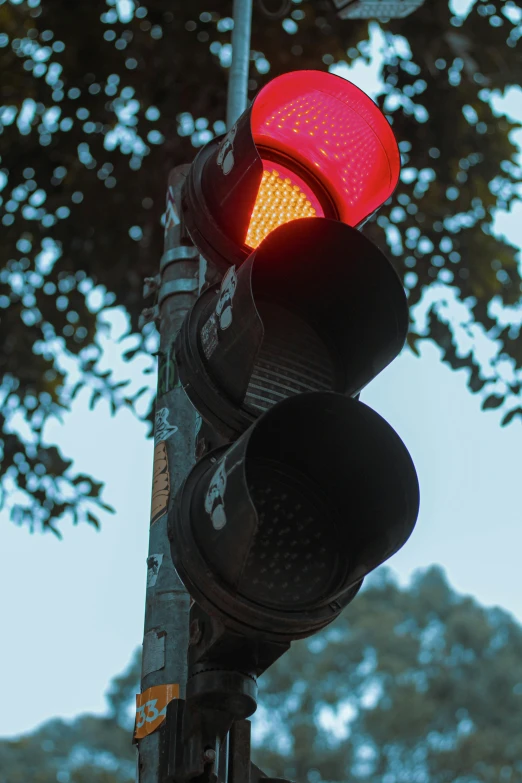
(179,286)
(174,254)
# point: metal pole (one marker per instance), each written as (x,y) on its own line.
(166,632)
(238,80)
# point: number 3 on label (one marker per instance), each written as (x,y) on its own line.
(148,713)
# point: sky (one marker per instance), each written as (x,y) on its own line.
(74,608)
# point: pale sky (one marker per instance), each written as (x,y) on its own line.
(72,610)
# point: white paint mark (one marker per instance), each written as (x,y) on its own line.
(226,297)
(225,158)
(215,497)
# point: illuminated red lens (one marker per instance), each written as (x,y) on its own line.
(283,196)
(336,131)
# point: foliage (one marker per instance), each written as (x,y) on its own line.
(414,685)
(100,99)
(408,685)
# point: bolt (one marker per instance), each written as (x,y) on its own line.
(150,285)
(209,756)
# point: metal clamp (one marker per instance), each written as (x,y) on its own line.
(180,253)
(182,286)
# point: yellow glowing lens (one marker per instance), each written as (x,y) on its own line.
(280,199)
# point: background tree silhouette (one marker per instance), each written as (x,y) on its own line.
(99,100)
(410,684)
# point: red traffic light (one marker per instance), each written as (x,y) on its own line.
(312,144)
(335,131)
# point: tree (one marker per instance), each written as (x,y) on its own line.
(407,685)
(417,684)
(101,99)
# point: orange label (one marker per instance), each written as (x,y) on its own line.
(151,708)
(160,483)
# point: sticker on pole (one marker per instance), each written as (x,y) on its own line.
(160,483)
(153,568)
(163,429)
(151,708)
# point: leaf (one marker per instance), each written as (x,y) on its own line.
(76,389)
(130,354)
(412,339)
(92,519)
(106,507)
(80,478)
(493,401)
(475,382)
(510,415)
(96,395)
(140,392)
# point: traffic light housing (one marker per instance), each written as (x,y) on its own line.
(273,533)
(316,307)
(276,533)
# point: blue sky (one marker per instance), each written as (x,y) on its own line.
(73,610)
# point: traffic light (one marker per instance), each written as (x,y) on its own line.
(310,145)
(274,531)
(277,532)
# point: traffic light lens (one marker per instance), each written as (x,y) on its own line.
(294,559)
(283,196)
(335,131)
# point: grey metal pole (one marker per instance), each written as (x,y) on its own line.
(166,632)
(182,273)
(238,79)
